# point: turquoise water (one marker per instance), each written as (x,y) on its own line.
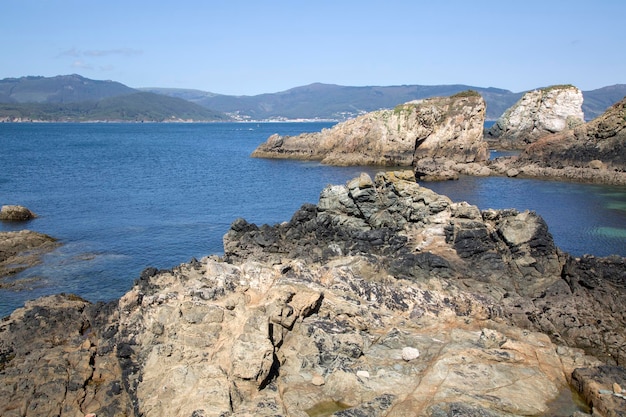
(122,197)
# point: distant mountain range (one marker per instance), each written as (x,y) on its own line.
(334,102)
(75,98)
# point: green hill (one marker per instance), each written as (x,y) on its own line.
(75,98)
(598,101)
(60,89)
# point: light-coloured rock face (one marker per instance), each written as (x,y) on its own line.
(450,127)
(538,113)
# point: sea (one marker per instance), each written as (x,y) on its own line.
(124,197)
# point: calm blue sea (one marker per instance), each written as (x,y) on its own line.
(122,197)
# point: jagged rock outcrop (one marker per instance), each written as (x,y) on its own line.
(22,249)
(441,127)
(536,114)
(384,299)
(16,213)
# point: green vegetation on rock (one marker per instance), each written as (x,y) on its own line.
(135,107)
(467,93)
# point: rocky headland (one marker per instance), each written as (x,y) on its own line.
(450,127)
(536,114)
(384,299)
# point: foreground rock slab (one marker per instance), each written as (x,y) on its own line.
(212,339)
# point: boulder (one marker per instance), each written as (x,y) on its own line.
(16,213)
(537,113)
(448,127)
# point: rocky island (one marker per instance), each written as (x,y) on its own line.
(449,127)
(383,299)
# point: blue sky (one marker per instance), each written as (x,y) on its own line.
(251,47)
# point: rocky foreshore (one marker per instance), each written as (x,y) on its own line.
(384,299)
(20,250)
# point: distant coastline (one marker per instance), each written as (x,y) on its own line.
(78,99)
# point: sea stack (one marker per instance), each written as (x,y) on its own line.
(536,114)
(593,152)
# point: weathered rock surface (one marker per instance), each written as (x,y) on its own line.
(22,249)
(385,299)
(211,339)
(450,127)
(537,113)
(16,213)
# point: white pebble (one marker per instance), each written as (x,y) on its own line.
(410,353)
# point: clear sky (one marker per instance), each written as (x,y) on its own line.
(241,47)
